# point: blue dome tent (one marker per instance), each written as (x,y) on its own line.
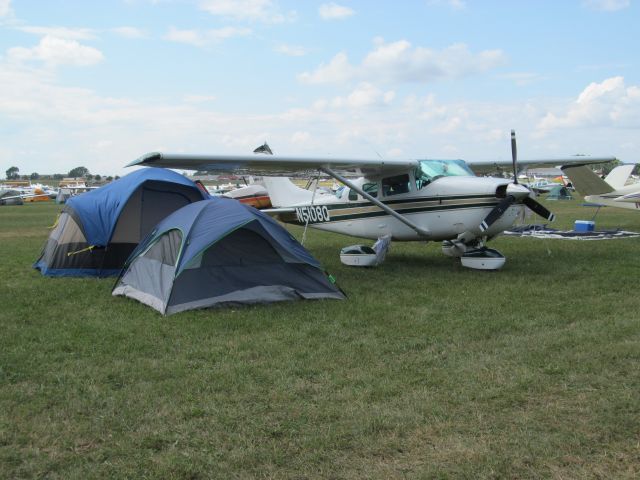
(98,230)
(221,252)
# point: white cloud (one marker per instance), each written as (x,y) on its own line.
(191,37)
(454,4)
(129,32)
(300,138)
(52,124)
(605,104)
(400,62)
(199,98)
(522,78)
(291,50)
(247,10)
(55,51)
(366,95)
(607,5)
(336,71)
(333,11)
(200,38)
(60,32)
(5,8)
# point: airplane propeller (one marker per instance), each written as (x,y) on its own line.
(514,156)
(513,193)
(538,208)
(497,212)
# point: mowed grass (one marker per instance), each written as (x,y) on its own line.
(428,370)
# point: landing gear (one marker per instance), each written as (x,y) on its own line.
(474,254)
(483,259)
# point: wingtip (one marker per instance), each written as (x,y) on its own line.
(146,159)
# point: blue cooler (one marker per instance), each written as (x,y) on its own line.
(584,226)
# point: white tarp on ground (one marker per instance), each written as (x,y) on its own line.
(542,231)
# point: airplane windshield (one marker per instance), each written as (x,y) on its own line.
(430,170)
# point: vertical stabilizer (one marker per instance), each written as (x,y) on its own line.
(586,182)
(619,176)
(284,193)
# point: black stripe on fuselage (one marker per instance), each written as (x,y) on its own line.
(354,210)
(405,211)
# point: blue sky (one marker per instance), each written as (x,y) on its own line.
(100,83)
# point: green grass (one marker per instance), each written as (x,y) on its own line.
(428,370)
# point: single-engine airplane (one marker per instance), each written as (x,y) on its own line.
(410,200)
(611,191)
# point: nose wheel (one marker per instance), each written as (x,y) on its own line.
(475,256)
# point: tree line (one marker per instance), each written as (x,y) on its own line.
(13,173)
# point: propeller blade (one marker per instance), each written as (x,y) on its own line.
(514,156)
(539,209)
(497,212)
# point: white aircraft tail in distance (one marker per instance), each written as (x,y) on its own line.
(408,200)
(610,191)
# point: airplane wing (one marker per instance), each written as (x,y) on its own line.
(271,164)
(485,167)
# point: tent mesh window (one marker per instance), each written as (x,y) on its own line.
(66,246)
(166,249)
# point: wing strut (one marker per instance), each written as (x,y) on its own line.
(420,231)
(315,187)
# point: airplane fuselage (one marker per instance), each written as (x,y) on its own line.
(445,208)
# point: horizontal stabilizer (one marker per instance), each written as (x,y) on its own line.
(586,182)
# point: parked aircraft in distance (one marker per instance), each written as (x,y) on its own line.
(611,191)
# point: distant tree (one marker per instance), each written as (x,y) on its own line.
(109,178)
(88,176)
(605,168)
(79,172)
(34,176)
(24,177)
(116,177)
(98,177)
(12,173)
(58,176)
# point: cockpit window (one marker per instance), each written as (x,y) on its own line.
(370,188)
(395,185)
(430,170)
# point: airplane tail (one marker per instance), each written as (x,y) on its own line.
(586,181)
(619,176)
(283,192)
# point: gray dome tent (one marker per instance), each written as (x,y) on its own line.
(221,252)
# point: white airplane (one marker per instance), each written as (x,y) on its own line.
(410,200)
(12,196)
(610,191)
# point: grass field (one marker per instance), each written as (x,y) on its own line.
(428,370)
